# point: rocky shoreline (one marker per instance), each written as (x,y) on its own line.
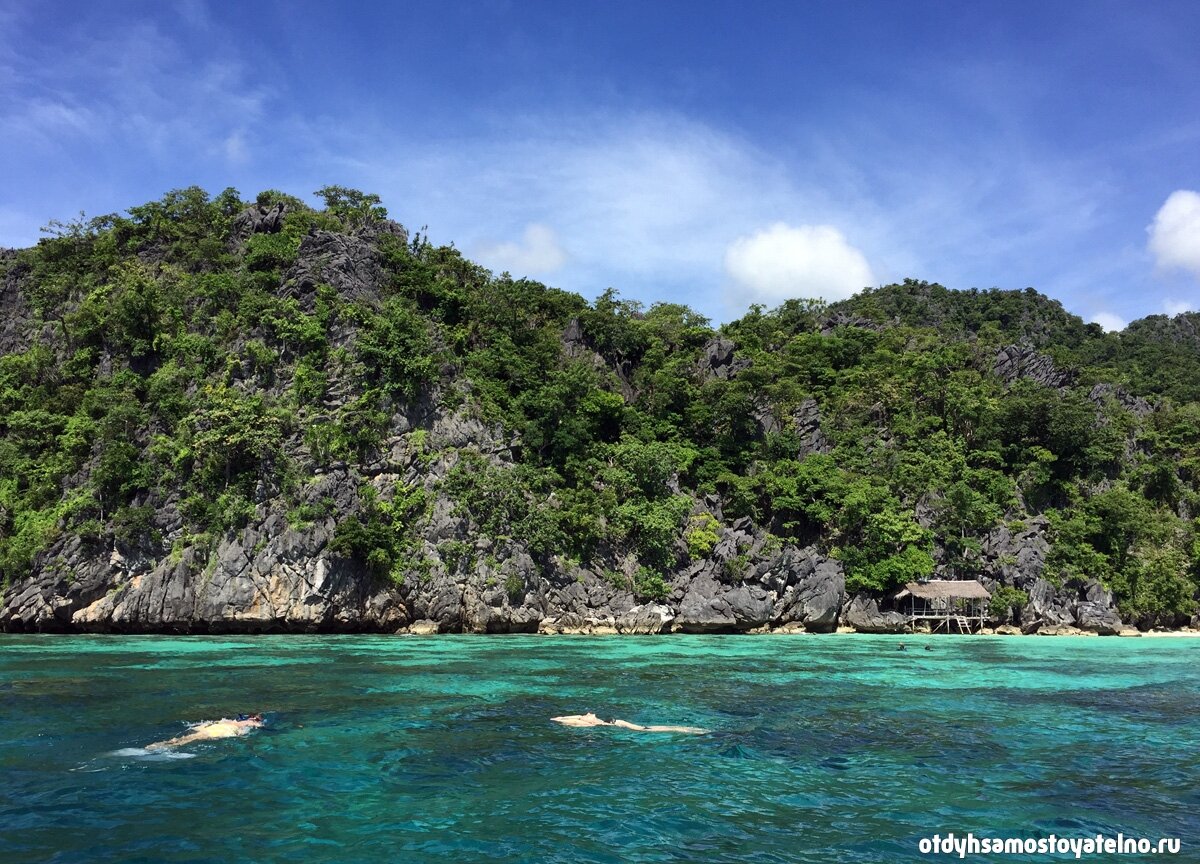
(281,574)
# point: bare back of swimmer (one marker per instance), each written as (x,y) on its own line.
(212,729)
(584,721)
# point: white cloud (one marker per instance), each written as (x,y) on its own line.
(783,262)
(538,253)
(1174,307)
(1110,322)
(1175,232)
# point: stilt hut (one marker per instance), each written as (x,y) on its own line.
(948,605)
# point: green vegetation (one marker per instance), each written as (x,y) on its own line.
(172,357)
(1007,602)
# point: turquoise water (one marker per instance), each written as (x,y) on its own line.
(382,749)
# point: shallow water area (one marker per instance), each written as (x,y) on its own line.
(441,748)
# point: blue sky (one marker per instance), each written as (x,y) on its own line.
(715,154)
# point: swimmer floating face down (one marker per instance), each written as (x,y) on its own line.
(584,721)
(211,729)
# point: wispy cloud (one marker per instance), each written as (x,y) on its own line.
(538,253)
(651,203)
(120,103)
(195,13)
(644,203)
(943,176)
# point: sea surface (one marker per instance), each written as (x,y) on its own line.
(410,749)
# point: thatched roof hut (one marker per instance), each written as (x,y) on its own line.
(946,602)
(939,589)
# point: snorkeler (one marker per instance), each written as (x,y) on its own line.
(211,729)
(583,721)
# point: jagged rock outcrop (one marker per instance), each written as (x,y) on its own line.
(350,263)
(1098,618)
(806,420)
(1046,606)
(575,344)
(1013,362)
(810,589)
(711,606)
(1103,392)
(495,610)
(275,575)
(645,620)
(248,584)
(1085,606)
(1016,554)
(719,360)
(16,316)
(864,615)
(259,219)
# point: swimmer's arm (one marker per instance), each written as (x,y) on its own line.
(691,730)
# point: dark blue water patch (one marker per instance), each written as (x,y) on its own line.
(1148,703)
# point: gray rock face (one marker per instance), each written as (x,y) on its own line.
(806,420)
(258,219)
(1023,361)
(1047,606)
(16,316)
(276,576)
(767,422)
(351,264)
(1094,592)
(572,339)
(1017,557)
(504,599)
(718,360)
(1104,392)
(1097,618)
(645,620)
(575,344)
(812,590)
(272,579)
(709,606)
(864,615)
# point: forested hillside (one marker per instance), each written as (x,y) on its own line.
(220,414)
